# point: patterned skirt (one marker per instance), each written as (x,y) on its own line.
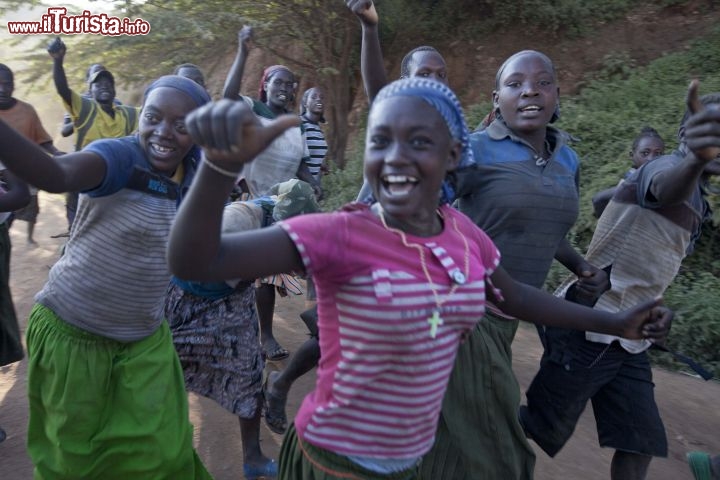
(217,342)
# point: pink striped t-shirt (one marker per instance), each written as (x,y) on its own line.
(382,376)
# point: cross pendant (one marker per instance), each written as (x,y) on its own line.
(434,321)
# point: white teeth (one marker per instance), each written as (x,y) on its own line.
(319,105)
(282,97)
(161,149)
(532,108)
(400,179)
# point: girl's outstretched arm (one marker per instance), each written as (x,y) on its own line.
(71,172)
(648,320)
(231,135)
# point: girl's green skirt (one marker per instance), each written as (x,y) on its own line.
(103,409)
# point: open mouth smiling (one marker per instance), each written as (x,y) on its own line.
(398,185)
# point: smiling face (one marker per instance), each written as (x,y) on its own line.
(648,148)
(429,64)
(315,102)
(408,152)
(280,88)
(163,135)
(103,90)
(527,94)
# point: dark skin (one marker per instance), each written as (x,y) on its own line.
(423,64)
(648,149)
(68,127)
(314,110)
(17,193)
(279,83)
(526,96)
(161,124)
(7,88)
(61,84)
(193,74)
(701,135)
(198,250)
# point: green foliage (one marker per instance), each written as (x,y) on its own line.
(475,113)
(342,185)
(696,327)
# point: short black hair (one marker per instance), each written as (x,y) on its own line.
(186,65)
(405,64)
(545,58)
(646,132)
(6,69)
(512,57)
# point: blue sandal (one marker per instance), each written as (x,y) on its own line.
(269,471)
(700,465)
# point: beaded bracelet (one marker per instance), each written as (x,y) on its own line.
(220,170)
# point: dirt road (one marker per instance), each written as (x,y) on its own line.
(689,406)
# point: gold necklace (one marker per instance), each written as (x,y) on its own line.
(435,320)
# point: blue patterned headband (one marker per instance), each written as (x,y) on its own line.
(440,97)
(197,93)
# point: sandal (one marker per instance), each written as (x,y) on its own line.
(268,471)
(700,465)
(273,351)
(275,417)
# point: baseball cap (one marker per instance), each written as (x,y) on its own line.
(96,75)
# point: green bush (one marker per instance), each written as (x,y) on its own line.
(696,327)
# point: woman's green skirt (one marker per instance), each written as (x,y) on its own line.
(102,409)
(479,436)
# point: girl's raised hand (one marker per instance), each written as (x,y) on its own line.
(245,36)
(364,9)
(231,135)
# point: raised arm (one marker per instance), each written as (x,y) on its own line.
(371,58)
(57,51)
(71,172)
(231,135)
(702,137)
(17,193)
(234,78)
(647,320)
